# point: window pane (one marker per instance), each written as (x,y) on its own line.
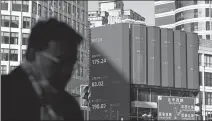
(14,38)
(13,55)
(16,6)
(3,69)
(15,21)
(25,6)
(26,22)
(34,7)
(39,9)
(4,54)
(25,39)
(4,5)
(5,37)
(5,21)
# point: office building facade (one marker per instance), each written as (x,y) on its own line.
(205,70)
(191,16)
(112,13)
(152,61)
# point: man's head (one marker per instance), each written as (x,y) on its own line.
(53,49)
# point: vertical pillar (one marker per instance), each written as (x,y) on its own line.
(203,85)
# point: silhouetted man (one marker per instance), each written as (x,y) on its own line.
(36,89)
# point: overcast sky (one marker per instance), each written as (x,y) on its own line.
(144,8)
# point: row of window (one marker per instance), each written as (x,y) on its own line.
(10,54)
(12,38)
(207,77)
(208,98)
(16,5)
(207,60)
(183,3)
(13,21)
(194,13)
(195,26)
(67,8)
(152,96)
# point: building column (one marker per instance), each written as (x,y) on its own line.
(203,85)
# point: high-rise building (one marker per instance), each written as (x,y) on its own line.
(18,17)
(191,16)
(112,12)
(164,14)
(205,67)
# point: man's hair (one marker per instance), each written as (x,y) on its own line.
(51,30)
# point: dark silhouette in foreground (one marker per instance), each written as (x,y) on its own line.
(35,89)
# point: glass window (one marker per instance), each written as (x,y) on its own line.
(65,7)
(33,22)
(3,69)
(56,4)
(4,5)
(69,8)
(74,10)
(207,25)
(164,8)
(65,19)
(39,9)
(25,6)
(154,96)
(16,5)
(165,20)
(45,12)
(208,37)
(78,13)
(25,38)
(200,59)
(13,55)
(55,14)
(14,21)
(5,21)
(23,54)
(200,36)
(50,13)
(14,38)
(207,1)
(74,24)
(34,7)
(4,54)
(83,29)
(60,17)
(188,14)
(208,79)
(69,22)
(207,12)
(60,5)
(26,22)
(195,13)
(180,4)
(5,37)
(208,98)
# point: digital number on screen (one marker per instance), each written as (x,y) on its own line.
(98,106)
(98,84)
(99,61)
